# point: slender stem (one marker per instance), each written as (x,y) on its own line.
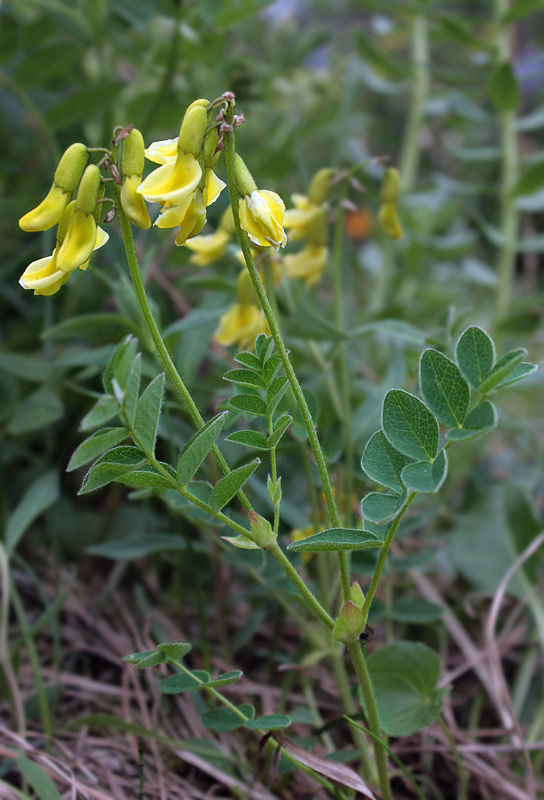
(343,557)
(462,773)
(5,660)
(275,331)
(382,558)
(508,216)
(162,351)
(309,599)
(411,150)
(363,677)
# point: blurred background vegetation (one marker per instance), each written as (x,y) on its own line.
(452,93)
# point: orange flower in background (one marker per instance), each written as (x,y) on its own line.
(358,224)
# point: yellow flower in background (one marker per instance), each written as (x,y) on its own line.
(299,219)
(241,325)
(208,248)
(308,264)
(298,534)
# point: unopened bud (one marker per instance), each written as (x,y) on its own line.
(274,491)
(70,167)
(320,186)
(87,194)
(389,191)
(244,178)
(349,624)
(261,530)
(356,595)
(191,133)
(133,160)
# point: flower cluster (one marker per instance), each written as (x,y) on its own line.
(308,220)
(78,233)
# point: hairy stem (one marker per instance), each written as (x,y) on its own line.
(162,351)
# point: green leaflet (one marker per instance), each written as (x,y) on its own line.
(336,539)
(445,390)
(475,353)
(198,447)
(409,425)
(225,488)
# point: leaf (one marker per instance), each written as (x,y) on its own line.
(324,766)
(336,539)
(480,420)
(475,354)
(226,678)
(520,9)
(227,486)
(249,404)
(148,411)
(530,182)
(152,659)
(103,410)
(248,359)
(503,88)
(275,392)
(39,779)
(223,720)
(423,476)
(504,366)
(39,496)
(404,677)
(110,466)
(416,610)
(245,377)
(142,655)
(445,391)
(382,463)
(380,508)
(132,389)
(147,477)
(249,439)
(96,444)
(38,410)
(119,364)
(138,545)
(270,368)
(86,324)
(198,447)
(175,651)
(518,373)
(395,329)
(409,425)
(181,682)
(280,427)
(242,542)
(269,722)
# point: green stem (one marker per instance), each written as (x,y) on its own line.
(359,663)
(411,150)
(508,216)
(162,351)
(5,658)
(275,331)
(343,557)
(462,773)
(382,558)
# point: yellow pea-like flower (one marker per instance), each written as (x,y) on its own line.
(132,166)
(80,238)
(298,219)
(194,219)
(208,248)
(66,178)
(308,264)
(261,216)
(241,325)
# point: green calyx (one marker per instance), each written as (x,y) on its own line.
(70,167)
(133,159)
(89,188)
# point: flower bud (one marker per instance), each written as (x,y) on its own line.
(389,191)
(244,178)
(389,221)
(133,159)
(320,186)
(87,194)
(263,535)
(191,133)
(349,624)
(210,156)
(70,167)
(66,178)
(356,595)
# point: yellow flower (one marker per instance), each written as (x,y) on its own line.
(308,264)
(299,219)
(172,183)
(208,248)
(66,178)
(81,234)
(241,325)
(164,151)
(44,275)
(261,216)
(132,166)
(298,534)
(193,220)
